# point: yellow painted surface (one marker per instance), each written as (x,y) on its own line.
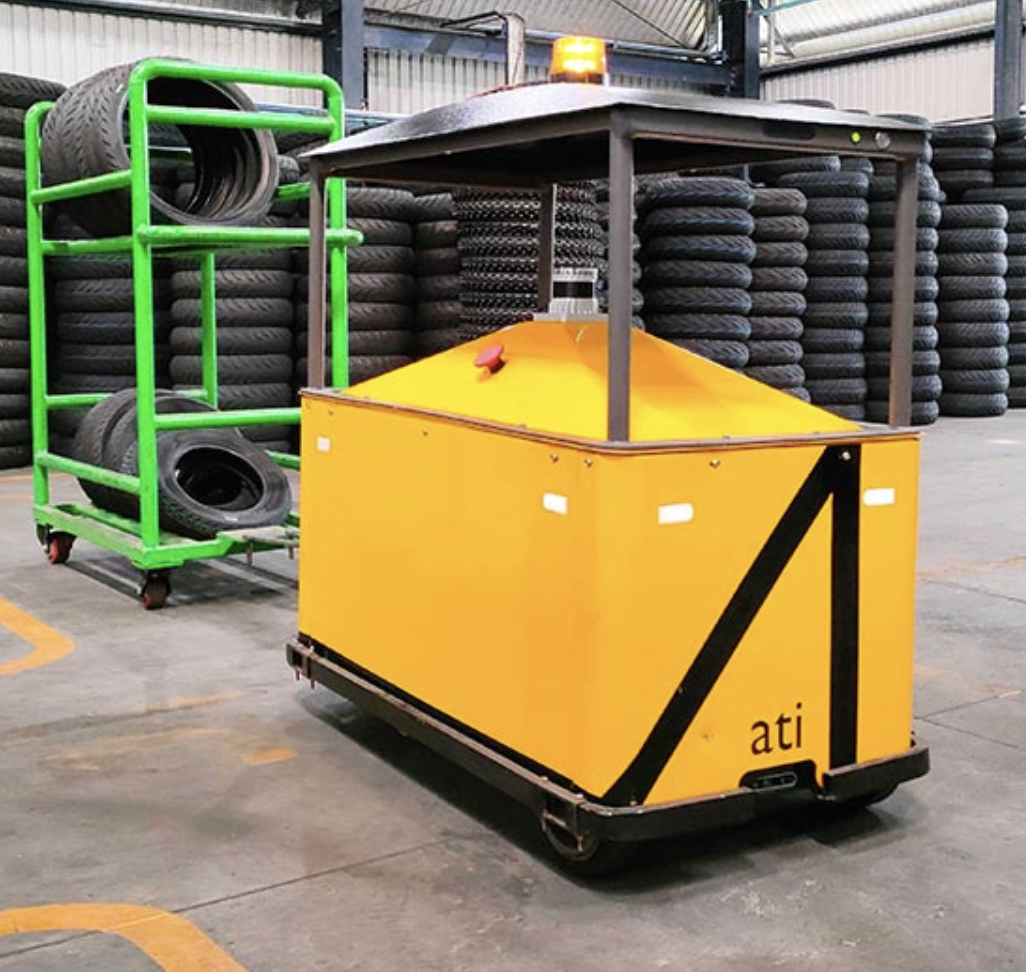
(171,941)
(529,590)
(272,754)
(48,645)
(887,574)
(554,380)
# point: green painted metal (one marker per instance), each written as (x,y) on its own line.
(143,541)
(82,187)
(219,420)
(223,118)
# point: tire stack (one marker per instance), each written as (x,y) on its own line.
(498,243)
(381,281)
(778,285)
(963,158)
(973,324)
(91,314)
(254,335)
(1010,191)
(926,382)
(17,94)
(696,237)
(836,313)
(637,296)
(437,258)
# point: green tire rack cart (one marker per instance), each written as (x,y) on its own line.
(149,548)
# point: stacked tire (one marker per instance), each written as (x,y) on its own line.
(254,335)
(382,286)
(926,382)
(437,259)
(498,244)
(1010,191)
(17,95)
(91,314)
(777,289)
(637,296)
(696,251)
(836,313)
(963,158)
(973,324)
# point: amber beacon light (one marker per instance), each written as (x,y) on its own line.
(579,59)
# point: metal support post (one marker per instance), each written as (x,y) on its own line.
(900,405)
(343,46)
(1008,68)
(546,246)
(621,213)
(740,25)
(315,370)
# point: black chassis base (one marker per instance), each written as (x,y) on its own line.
(555,802)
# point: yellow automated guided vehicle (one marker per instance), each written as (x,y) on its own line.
(637,591)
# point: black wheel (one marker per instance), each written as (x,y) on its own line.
(873,796)
(58,547)
(155,590)
(586,856)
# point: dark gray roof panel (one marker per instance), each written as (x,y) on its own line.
(527,136)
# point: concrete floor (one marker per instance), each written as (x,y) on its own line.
(169,760)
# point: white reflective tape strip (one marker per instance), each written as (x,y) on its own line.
(555,503)
(676,513)
(323,443)
(878,497)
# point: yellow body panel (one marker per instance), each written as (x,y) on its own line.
(554,381)
(552,595)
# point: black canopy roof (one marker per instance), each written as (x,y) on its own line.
(536,134)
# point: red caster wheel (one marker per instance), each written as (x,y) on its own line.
(155,590)
(58,547)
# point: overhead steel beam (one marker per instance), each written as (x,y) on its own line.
(740,27)
(344,39)
(1008,70)
(481,47)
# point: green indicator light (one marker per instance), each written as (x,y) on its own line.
(856,137)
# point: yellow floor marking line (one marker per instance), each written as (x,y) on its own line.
(198,701)
(275,754)
(174,943)
(976,567)
(104,752)
(47,644)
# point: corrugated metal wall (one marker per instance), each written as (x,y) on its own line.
(944,84)
(67,46)
(401,83)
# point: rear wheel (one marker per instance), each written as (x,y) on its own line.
(58,547)
(155,590)
(586,856)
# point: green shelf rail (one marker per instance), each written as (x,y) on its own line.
(143,542)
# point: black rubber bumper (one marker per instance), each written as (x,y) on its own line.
(555,799)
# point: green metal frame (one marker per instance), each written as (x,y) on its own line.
(143,542)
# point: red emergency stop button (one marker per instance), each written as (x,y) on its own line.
(491,358)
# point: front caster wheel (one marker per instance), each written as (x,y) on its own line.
(586,856)
(58,547)
(155,590)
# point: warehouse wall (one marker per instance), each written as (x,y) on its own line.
(943,84)
(66,46)
(402,83)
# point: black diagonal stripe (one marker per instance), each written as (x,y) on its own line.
(844,611)
(637,780)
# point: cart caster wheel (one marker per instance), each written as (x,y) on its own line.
(155,590)
(586,856)
(58,547)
